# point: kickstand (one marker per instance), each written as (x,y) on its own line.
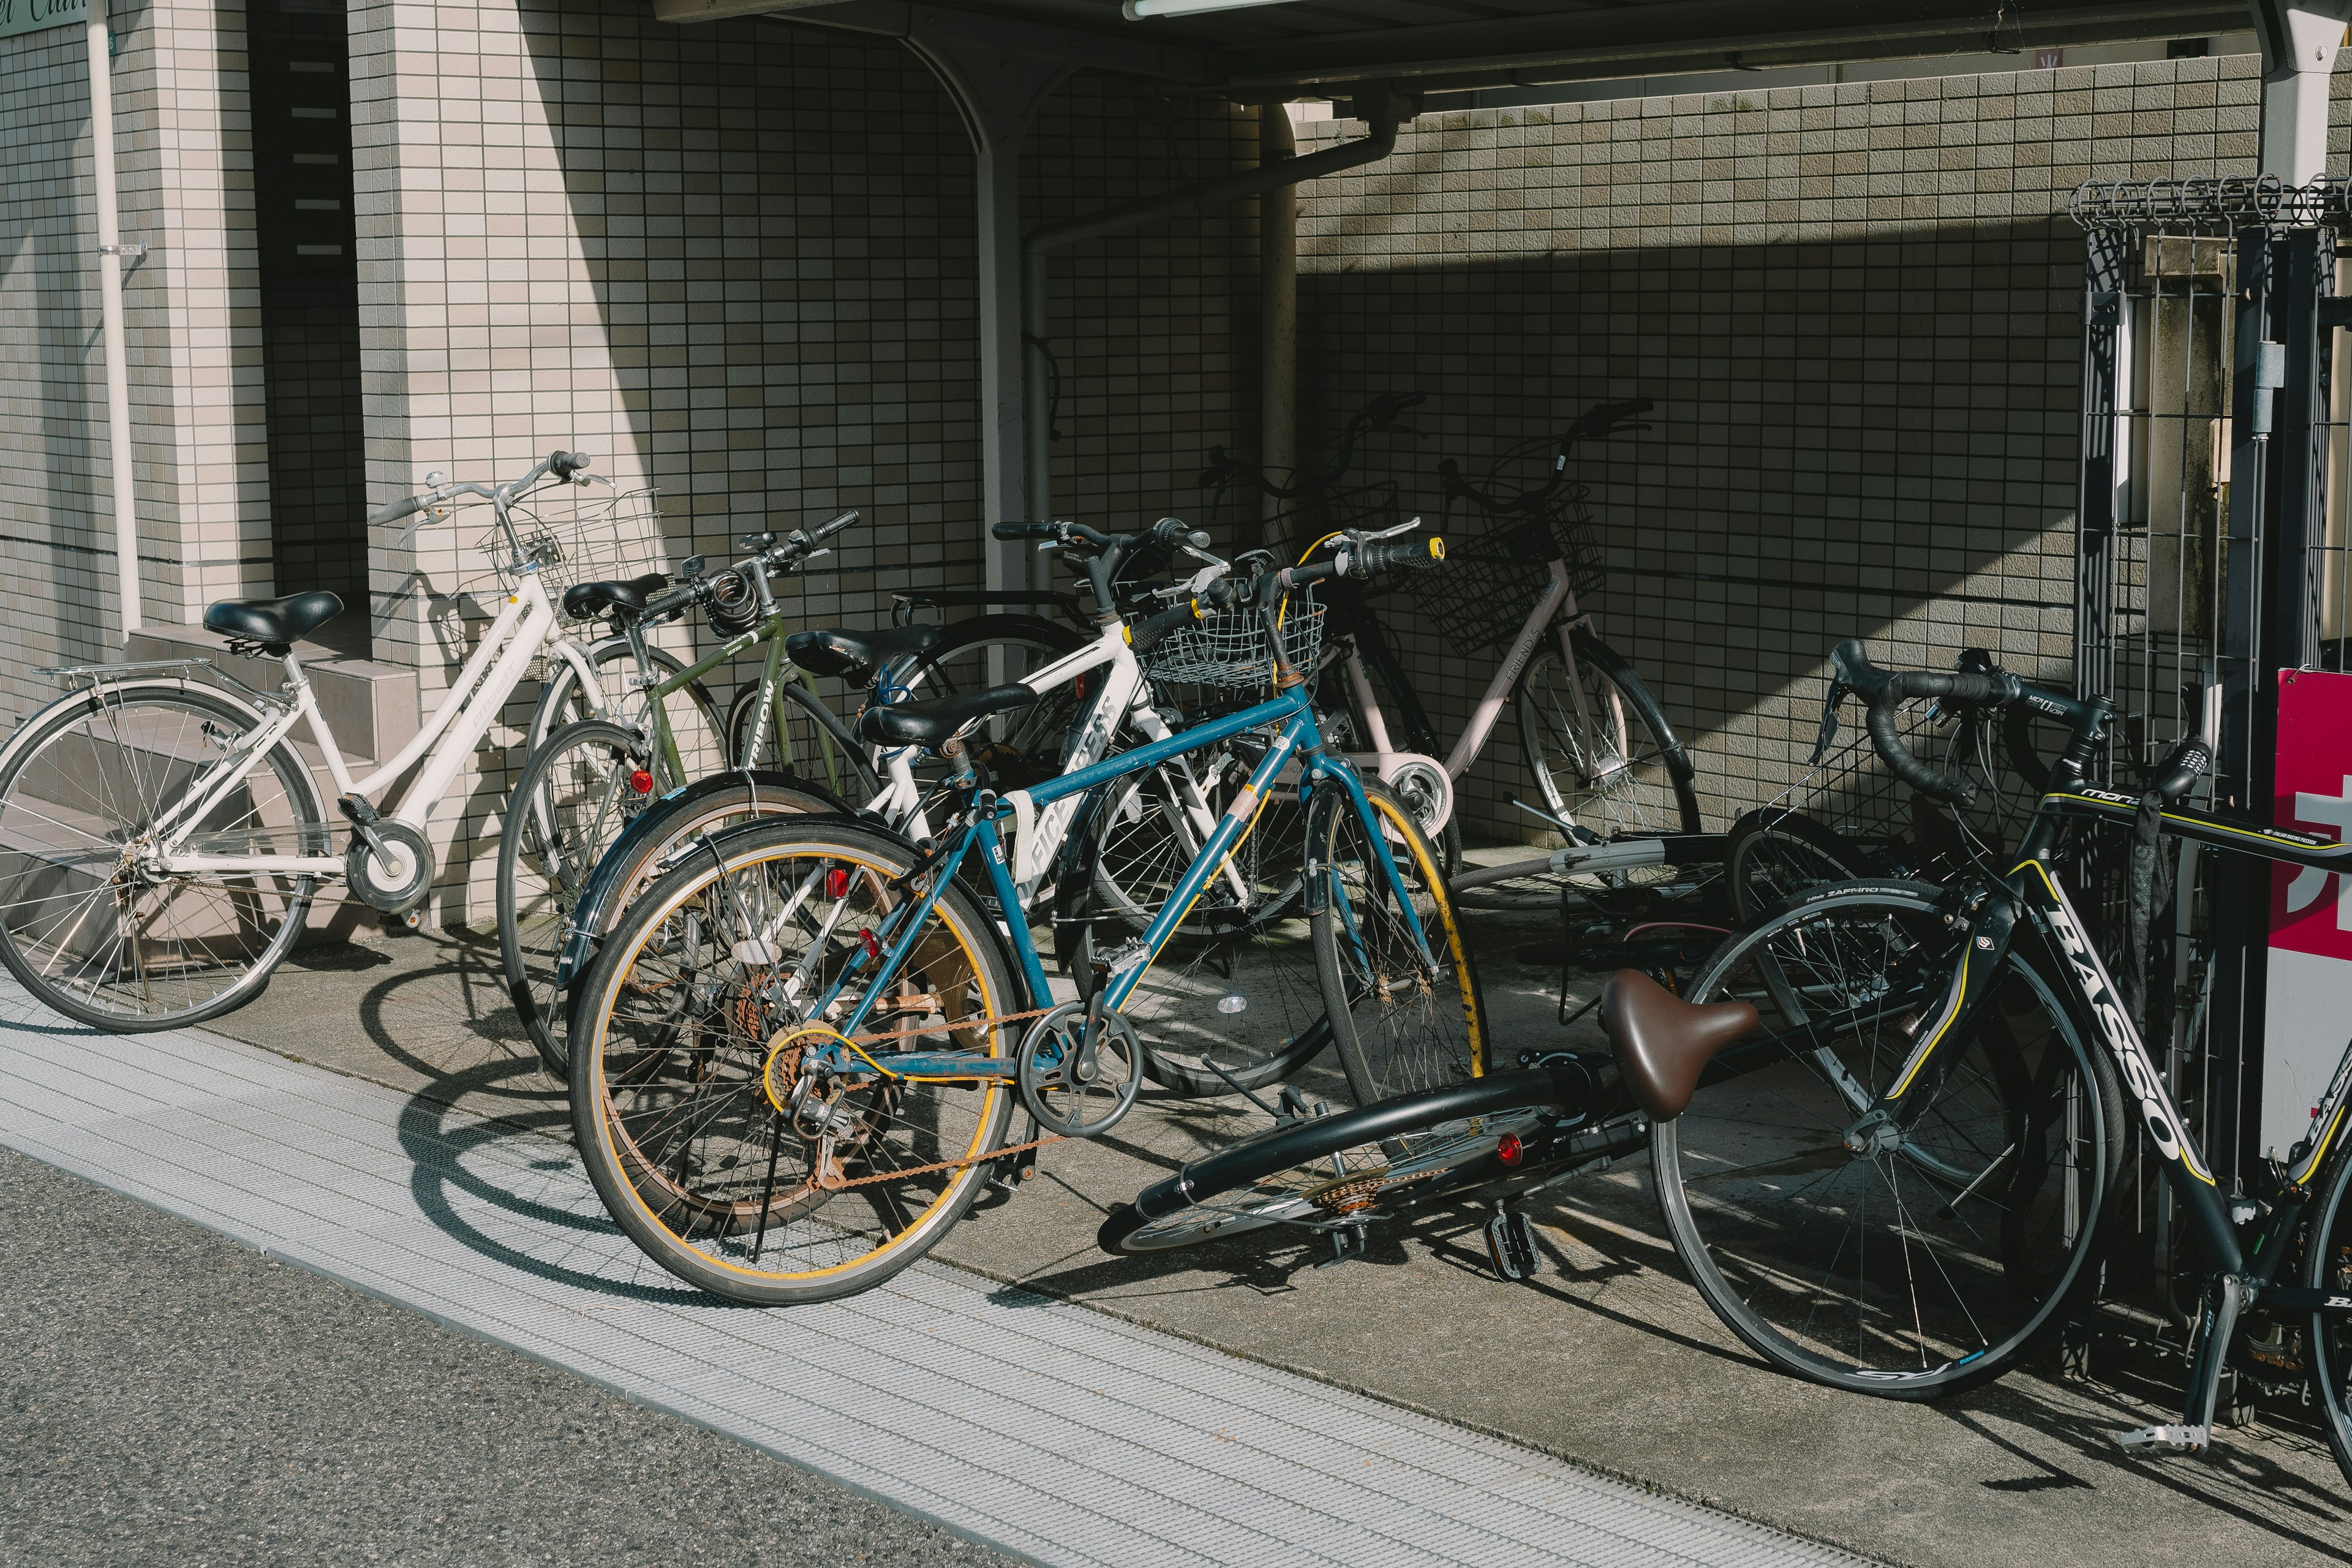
(1347,1243)
(1012,1169)
(1294,1109)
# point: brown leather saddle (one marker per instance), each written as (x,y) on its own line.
(1663,1042)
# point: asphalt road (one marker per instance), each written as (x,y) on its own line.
(168,1397)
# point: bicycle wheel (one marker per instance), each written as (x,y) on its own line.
(1026,745)
(1234,999)
(1602,752)
(1773,852)
(810,742)
(1344,1169)
(695,724)
(91,927)
(1904,1260)
(1399,1026)
(576,800)
(683,1031)
(2327,1265)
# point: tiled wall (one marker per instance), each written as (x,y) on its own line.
(1857,307)
(736,263)
(733,262)
(191,309)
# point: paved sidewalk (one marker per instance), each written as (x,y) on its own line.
(1608,1358)
(1051,1431)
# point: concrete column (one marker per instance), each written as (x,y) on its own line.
(998,95)
(2299,40)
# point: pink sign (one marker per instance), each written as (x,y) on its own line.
(2311,910)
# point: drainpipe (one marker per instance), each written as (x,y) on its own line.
(1277,305)
(2298,39)
(1383,108)
(110,309)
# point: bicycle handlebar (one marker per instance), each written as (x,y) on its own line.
(1885,690)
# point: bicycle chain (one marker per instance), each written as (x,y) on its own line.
(845,1183)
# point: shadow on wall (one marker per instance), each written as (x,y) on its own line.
(1869,438)
(785,276)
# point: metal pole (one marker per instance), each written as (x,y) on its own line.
(109,306)
(1277,299)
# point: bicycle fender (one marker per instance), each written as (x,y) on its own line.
(1673,755)
(591,913)
(88,699)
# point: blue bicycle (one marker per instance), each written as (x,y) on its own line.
(797,1056)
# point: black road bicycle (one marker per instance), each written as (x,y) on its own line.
(1958,1080)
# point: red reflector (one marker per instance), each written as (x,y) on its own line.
(1509,1149)
(872,948)
(642,782)
(837,883)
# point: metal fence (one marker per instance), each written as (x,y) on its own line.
(2213,526)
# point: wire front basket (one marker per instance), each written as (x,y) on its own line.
(1497,565)
(576,533)
(1229,650)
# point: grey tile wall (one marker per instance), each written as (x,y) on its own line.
(193,332)
(734,262)
(1857,307)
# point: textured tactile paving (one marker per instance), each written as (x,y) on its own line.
(1040,1428)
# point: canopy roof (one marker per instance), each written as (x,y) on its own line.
(1319,48)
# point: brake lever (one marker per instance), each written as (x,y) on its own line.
(1387,532)
(1838,688)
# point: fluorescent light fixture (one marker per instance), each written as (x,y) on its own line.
(1139,10)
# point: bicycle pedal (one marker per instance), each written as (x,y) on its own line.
(2166,1439)
(1511,1246)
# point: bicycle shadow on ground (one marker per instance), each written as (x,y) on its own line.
(2243,1475)
(509,1188)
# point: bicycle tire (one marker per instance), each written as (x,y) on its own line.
(698,1191)
(1234,1000)
(1411,1145)
(578,793)
(533,933)
(1764,1192)
(1775,851)
(79,782)
(2327,1265)
(561,702)
(1638,778)
(1396,1031)
(818,745)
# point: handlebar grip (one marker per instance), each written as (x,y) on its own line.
(1397,554)
(1141,637)
(828,529)
(676,602)
(1170,532)
(563,465)
(397,510)
(1024,531)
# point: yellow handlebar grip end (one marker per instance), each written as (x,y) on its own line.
(1436,548)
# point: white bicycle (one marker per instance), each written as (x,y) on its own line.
(160,839)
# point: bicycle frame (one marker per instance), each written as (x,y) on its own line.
(1297,735)
(1555,611)
(515,636)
